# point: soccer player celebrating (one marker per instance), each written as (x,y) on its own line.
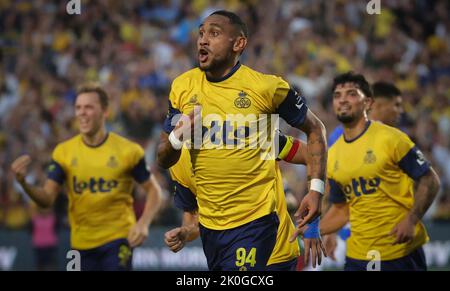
(386,107)
(284,255)
(98,168)
(236,188)
(371,169)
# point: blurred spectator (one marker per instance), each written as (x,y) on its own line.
(16,215)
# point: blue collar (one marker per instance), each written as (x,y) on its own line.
(233,70)
(97,145)
(359,135)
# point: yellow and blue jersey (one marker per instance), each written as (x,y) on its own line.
(375,173)
(234,185)
(185,189)
(99,182)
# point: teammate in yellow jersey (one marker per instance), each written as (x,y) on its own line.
(98,169)
(236,187)
(386,107)
(369,172)
(284,255)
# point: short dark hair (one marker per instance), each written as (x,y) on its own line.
(95,88)
(385,90)
(234,20)
(351,77)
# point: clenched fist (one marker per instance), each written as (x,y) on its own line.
(19,167)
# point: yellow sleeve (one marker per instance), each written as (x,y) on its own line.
(408,157)
(179,90)
(58,155)
(176,175)
(179,171)
(279,91)
(138,154)
(174,95)
(402,144)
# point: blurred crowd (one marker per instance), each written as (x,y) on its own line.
(135,48)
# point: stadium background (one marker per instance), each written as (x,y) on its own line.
(135,48)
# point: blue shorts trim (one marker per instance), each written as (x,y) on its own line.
(247,247)
(113,256)
(415,261)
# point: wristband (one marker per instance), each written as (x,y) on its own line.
(175,142)
(317,185)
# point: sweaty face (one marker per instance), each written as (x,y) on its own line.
(387,110)
(215,42)
(349,103)
(89,113)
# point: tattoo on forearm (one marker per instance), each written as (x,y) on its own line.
(427,189)
(317,156)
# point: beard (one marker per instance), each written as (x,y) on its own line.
(213,65)
(346,119)
(217,64)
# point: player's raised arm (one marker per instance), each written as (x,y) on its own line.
(43,196)
(173,137)
(167,155)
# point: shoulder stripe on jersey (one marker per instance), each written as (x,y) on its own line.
(140,172)
(414,164)
(293,109)
(56,173)
(336,194)
(170,121)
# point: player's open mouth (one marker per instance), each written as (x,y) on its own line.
(83,122)
(344,109)
(203,55)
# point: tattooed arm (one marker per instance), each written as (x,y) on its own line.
(316,161)
(427,188)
